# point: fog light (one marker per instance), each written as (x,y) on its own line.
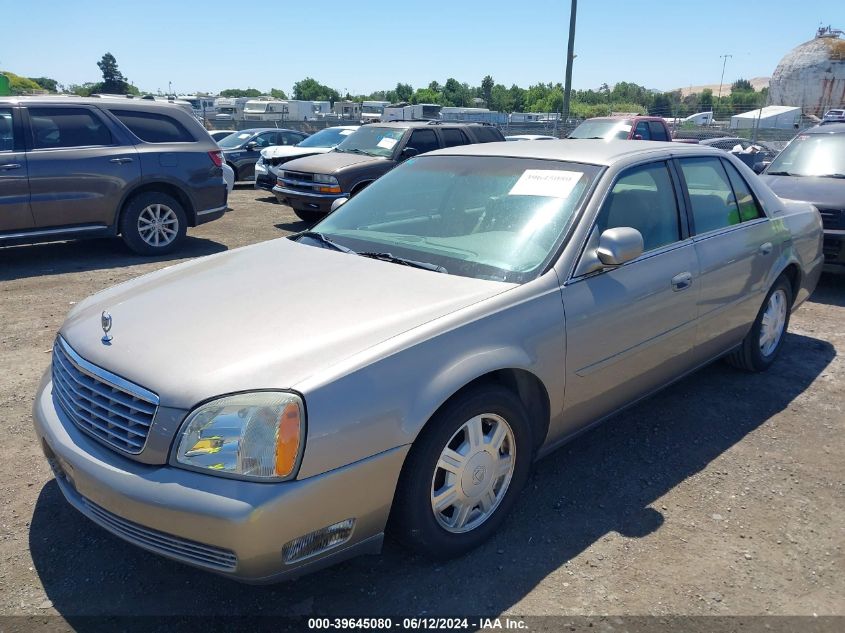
(317,542)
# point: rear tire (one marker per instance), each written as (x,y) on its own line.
(463,473)
(763,343)
(153,223)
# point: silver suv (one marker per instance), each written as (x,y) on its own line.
(73,167)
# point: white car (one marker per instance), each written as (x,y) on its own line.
(219,135)
(267,167)
(229,177)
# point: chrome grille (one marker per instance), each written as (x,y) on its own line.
(165,544)
(107,407)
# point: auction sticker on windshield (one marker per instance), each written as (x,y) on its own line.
(551,183)
(387,143)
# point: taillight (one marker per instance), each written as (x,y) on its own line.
(216,157)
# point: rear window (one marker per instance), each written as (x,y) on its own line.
(154,128)
(486,134)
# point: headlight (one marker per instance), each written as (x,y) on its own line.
(324,178)
(260,160)
(254,435)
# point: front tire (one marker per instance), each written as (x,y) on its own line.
(463,473)
(763,343)
(153,223)
(312,217)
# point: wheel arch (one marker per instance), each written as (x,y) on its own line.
(358,186)
(158,186)
(792,272)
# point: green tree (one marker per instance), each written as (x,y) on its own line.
(310,89)
(487,85)
(239,92)
(404,92)
(277,93)
(742,85)
(46,83)
(113,80)
(705,101)
(517,96)
(500,99)
(425,95)
(435,87)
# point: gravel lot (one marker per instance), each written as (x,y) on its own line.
(724,494)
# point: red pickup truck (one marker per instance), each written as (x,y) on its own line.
(631,128)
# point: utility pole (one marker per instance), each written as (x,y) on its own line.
(722,80)
(570,58)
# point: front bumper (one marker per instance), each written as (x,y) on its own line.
(305,201)
(235,528)
(834,250)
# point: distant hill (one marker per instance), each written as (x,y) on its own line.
(758,82)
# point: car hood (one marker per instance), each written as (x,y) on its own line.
(331,162)
(264,316)
(283,151)
(826,193)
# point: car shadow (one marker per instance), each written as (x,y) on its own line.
(830,290)
(55,258)
(294,227)
(603,482)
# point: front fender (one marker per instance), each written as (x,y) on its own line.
(383,398)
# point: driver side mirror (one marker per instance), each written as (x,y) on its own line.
(408,152)
(759,167)
(619,245)
(250,147)
(638,137)
(338,203)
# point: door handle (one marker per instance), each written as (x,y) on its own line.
(120,161)
(681,281)
(8,166)
(766,248)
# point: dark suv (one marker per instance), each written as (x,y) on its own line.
(74,167)
(310,185)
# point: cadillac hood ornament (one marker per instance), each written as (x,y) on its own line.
(105,321)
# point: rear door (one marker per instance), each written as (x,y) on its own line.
(15,212)
(734,241)
(80,165)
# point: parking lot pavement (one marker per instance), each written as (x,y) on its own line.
(724,494)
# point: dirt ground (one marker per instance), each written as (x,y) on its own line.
(724,494)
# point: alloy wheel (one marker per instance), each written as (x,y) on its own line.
(158,225)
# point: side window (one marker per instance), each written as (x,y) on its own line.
(710,192)
(154,128)
(643,198)
(658,132)
(423,141)
(7,130)
(266,139)
(748,207)
(288,138)
(487,134)
(642,131)
(67,127)
(453,137)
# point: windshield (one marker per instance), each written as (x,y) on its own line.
(255,107)
(235,140)
(326,138)
(811,155)
(603,128)
(372,140)
(372,109)
(490,218)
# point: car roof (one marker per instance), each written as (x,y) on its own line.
(258,130)
(409,124)
(827,128)
(124,104)
(595,152)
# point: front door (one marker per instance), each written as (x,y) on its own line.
(78,168)
(15,213)
(630,329)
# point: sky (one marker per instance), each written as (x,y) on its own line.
(371,45)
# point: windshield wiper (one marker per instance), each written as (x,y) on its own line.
(832,176)
(780,173)
(389,257)
(319,237)
(356,151)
